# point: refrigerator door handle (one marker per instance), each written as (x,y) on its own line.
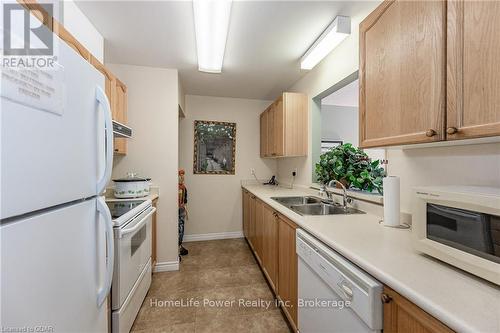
(102,99)
(103,210)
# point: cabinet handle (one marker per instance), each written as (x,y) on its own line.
(451,130)
(430,133)
(386,298)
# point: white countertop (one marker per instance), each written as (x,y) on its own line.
(461,301)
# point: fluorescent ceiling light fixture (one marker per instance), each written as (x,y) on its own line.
(211,23)
(336,32)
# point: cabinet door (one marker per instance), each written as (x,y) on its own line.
(264,152)
(287,267)
(270,245)
(400,315)
(271,148)
(402,73)
(296,116)
(121,115)
(259,232)
(279,128)
(473,59)
(246,211)
(251,220)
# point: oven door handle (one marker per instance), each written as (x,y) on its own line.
(137,226)
(103,210)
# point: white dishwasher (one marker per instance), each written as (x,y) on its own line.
(334,295)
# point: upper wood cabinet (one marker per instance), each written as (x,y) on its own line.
(284,127)
(263,134)
(473,91)
(402,73)
(402,316)
(115,90)
(120,115)
(429,71)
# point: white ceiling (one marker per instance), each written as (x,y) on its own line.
(265,42)
(346,96)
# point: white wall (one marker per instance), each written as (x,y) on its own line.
(214,201)
(340,63)
(82,29)
(458,165)
(152,151)
(340,123)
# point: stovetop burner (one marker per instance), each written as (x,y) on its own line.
(119,208)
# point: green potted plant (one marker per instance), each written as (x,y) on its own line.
(352,167)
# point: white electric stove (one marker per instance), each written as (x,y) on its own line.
(132,268)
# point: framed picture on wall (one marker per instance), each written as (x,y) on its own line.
(326,145)
(214,147)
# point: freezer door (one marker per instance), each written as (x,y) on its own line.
(53,266)
(52,151)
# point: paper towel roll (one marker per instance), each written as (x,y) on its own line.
(391,201)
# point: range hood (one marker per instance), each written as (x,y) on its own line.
(121,131)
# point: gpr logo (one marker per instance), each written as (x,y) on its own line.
(25,36)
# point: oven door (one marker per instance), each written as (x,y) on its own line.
(132,252)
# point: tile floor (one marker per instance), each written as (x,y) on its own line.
(214,271)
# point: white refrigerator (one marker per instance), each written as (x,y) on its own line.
(56,237)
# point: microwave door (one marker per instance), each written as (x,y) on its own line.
(458,228)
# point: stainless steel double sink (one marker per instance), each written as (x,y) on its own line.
(308,205)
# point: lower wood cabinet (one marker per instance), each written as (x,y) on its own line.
(269,227)
(271,237)
(251,220)
(258,223)
(287,268)
(153,235)
(402,316)
(245,197)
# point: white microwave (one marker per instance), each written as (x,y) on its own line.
(459,225)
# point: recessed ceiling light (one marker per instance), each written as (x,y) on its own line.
(211,22)
(336,32)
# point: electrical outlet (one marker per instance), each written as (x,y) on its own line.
(252,171)
(294,172)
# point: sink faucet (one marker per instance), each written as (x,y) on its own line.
(323,190)
(346,199)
